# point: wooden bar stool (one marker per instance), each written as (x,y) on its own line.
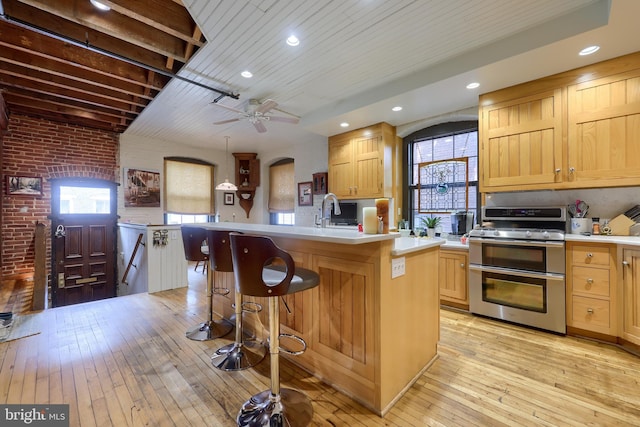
(240,354)
(257,275)
(192,238)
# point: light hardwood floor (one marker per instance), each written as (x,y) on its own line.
(126,362)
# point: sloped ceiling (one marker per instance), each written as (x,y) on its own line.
(356,59)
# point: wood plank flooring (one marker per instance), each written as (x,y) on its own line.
(126,362)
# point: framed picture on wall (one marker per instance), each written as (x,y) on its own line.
(141,188)
(24,185)
(229,198)
(305,195)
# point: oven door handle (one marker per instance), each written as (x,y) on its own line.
(545,244)
(514,272)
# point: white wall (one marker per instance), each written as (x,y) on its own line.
(310,156)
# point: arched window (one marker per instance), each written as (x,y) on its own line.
(443,173)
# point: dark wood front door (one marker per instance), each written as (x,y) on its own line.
(83,244)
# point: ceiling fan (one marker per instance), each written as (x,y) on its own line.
(257,113)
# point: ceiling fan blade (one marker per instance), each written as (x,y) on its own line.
(260,127)
(266,106)
(225,121)
(235,110)
(292,120)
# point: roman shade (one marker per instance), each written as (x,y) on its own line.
(281,187)
(188,186)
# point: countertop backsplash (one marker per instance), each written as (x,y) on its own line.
(604,203)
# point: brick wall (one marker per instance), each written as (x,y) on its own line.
(41,148)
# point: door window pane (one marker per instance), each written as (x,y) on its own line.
(84,200)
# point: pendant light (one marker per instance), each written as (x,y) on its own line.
(226,185)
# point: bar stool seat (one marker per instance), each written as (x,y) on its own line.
(259,273)
(241,354)
(192,238)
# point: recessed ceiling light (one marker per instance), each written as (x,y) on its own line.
(99,5)
(246,74)
(397,108)
(344,124)
(589,50)
(473,85)
(293,40)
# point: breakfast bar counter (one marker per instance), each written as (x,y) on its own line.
(369,335)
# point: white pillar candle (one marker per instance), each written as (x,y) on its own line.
(369,220)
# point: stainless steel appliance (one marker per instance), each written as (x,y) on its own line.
(461,222)
(517,266)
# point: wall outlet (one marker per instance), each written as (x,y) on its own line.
(397,267)
(174,235)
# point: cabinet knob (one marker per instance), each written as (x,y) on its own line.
(462,265)
(590,281)
(626,263)
(558,170)
(572,170)
(589,255)
(590,310)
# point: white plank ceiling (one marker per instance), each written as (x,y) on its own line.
(359,58)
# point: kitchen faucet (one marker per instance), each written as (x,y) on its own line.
(325,216)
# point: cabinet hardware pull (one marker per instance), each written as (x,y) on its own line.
(590,310)
(558,170)
(462,264)
(572,170)
(589,281)
(589,255)
(626,263)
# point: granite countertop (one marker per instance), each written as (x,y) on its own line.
(406,245)
(618,240)
(342,235)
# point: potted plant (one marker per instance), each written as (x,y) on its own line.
(431,223)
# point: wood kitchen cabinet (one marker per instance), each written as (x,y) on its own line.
(452,278)
(604,130)
(630,296)
(521,142)
(591,289)
(361,162)
(577,129)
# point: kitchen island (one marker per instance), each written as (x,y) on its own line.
(369,335)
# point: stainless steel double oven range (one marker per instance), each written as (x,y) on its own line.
(517,266)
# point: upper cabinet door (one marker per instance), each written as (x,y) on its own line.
(604,131)
(521,143)
(368,167)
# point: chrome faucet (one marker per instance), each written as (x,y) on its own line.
(325,216)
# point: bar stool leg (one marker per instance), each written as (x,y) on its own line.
(276,407)
(240,354)
(210,329)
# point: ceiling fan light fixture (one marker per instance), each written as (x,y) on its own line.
(226,185)
(99,5)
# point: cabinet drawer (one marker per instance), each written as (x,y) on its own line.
(590,255)
(590,281)
(591,314)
